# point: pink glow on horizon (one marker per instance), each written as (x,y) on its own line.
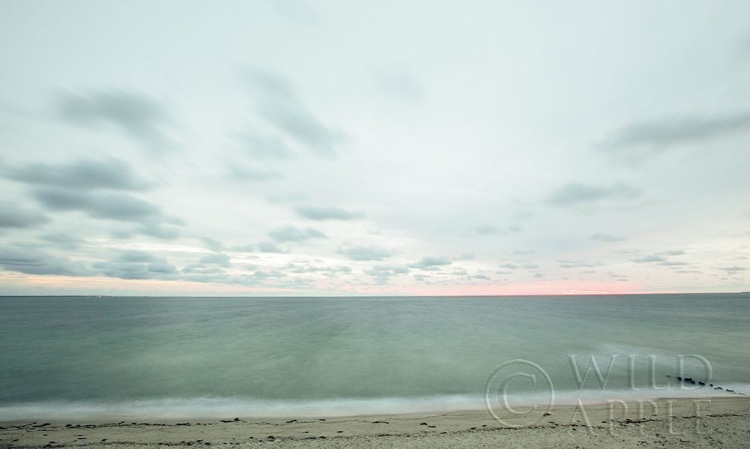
(56,285)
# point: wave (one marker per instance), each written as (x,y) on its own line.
(245,407)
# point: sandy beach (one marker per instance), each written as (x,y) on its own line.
(717,421)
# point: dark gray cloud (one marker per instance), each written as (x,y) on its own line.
(20,217)
(606,238)
(32,261)
(292,234)
(574,193)
(327,213)
(280,107)
(662,133)
(366,252)
(85,174)
(431,263)
(138,116)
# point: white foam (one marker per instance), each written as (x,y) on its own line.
(210,407)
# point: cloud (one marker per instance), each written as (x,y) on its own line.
(213,245)
(366,253)
(116,206)
(649,259)
(431,263)
(136,256)
(20,217)
(137,265)
(676,252)
(84,174)
(280,107)
(245,173)
(217,258)
(575,193)
(493,230)
(62,240)
(734,269)
(31,261)
(400,85)
(292,234)
(383,273)
(269,247)
(112,206)
(299,11)
(138,116)
(201,269)
(511,266)
(327,213)
(158,230)
(606,238)
(661,133)
(267,147)
(487,230)
(671,263)
(327,271)
(566,263)
(269,274)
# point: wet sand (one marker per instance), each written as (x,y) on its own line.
(718,421)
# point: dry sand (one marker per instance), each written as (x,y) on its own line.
(717,422)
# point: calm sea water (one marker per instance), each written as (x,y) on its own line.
(180,357)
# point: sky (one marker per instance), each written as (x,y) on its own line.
(320,148)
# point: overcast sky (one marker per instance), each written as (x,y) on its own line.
(335,147)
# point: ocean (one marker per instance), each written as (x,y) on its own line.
(172,358)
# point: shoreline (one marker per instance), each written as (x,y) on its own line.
(673,421)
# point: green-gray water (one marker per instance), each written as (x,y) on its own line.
(174,357)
